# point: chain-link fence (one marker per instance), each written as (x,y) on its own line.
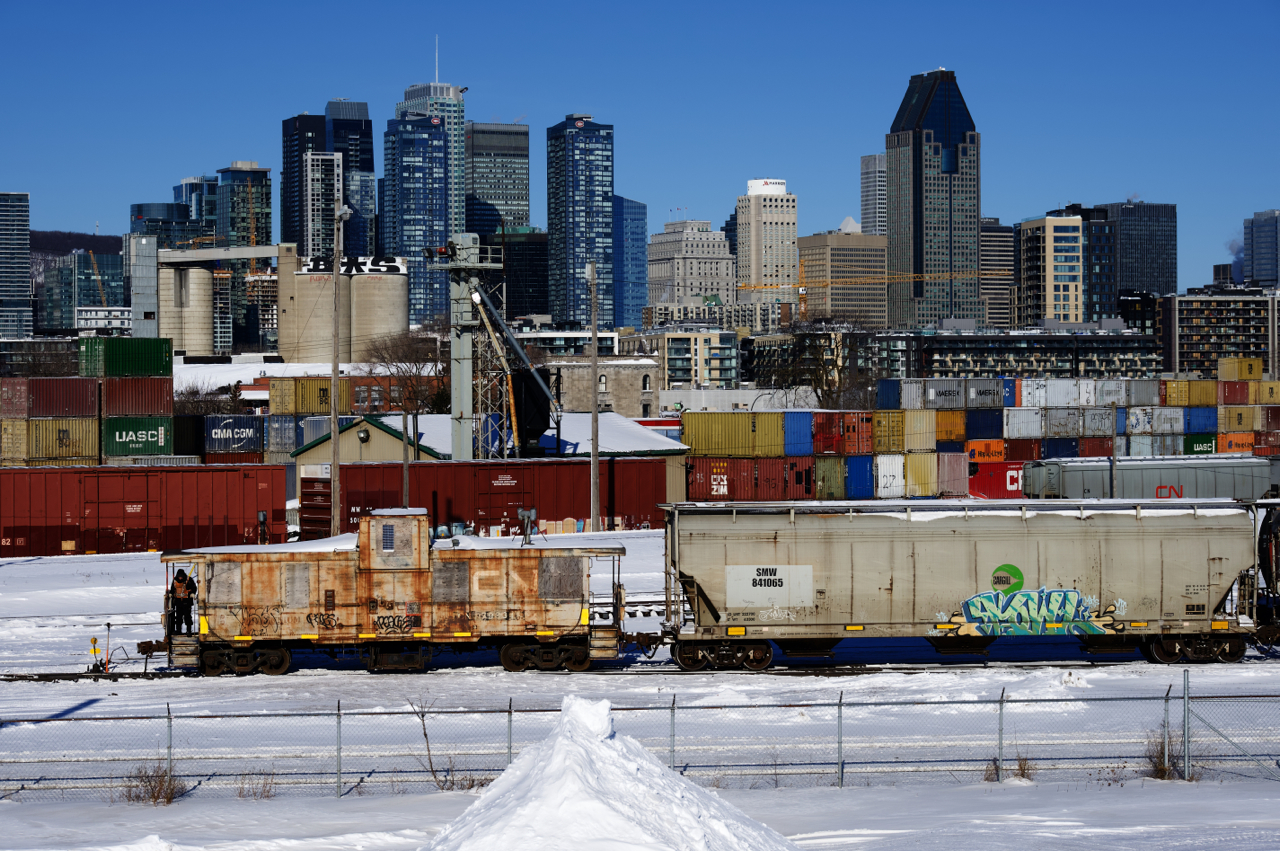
(1092,740)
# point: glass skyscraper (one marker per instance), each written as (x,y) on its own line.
(932,202)
(349,132)
(579,218)
(15,265)
(1262,249)
(200,195)
(81,279)
(444,101)
(1146,254)
(300,135)
(874,195)
(170,224)
(413,217)
(630,261)
(497,177)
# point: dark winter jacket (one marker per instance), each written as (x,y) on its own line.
(183,590)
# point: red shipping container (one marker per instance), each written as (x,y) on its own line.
(997,480)
(1163,382)
(233,458)
(15,401)
(1022,450)
(1233,392)
(858,435)
(1262,451)
(721,479)
(828,437)
(137,397)
(799,481)
(63,397)
(771,479)
(1095,447)
(1266,438)
(1271,418)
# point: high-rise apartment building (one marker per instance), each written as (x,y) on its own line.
(445,102)
(844,277)
(996,261)
(413,213)
(82,279)
(15,265)
(1100,241)
(170,224)
(768,266)
(1262,249)
(689,263)
(524,268)
(933,198)
(300,135)
(875,199)
(1146,239)
(630,261)
(140,270)
(497,176)
(1049,280)
(200,194)
(244,204)
(348,131)
(579,218)
(321,187)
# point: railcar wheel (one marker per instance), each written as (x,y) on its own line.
(579,660)
(759,657)
(1232,650)
(212,664)
(688,657)
(277,662)
(513,658)
(1165,652)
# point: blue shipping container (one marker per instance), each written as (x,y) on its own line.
(284,432)
(1122,417)
(949,446)
(860,478)
(1200,420)
(1010,396)
(233,433)
(797,432)
(888,395)
(984,424)
(1061,447)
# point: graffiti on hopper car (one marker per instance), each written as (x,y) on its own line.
(1056,611)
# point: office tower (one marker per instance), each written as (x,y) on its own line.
(1262,249)
(15,265)
(300,135)
(82,279)
(1048,273)
(630,261)
(1146,245)
(413,216)
(996,261)
(580,218)
(244,204)
(524,270)
(730,230)
(689,263)
(140,270)
(874,195)
(844,277)
(170,224)
(768,266)
(1100,240)
(321,187)
(444,101)
(349,131)
(497,176)
(932,173)
(200,195)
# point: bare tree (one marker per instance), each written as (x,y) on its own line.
(827,358)
(201,398)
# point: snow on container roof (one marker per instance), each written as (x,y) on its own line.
(398,512)
(587,544)
(341,543)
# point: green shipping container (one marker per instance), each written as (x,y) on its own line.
(1200,444)
(137,436)
(828,476)
(112,357)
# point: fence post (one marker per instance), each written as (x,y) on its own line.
(673,732)
(509,716)
(169,715)
(338,774)
(1166,727)
(1186,724)
(840,741)
(1000,742)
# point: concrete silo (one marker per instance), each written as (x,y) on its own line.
(306,318)
(185,298)
(379,307)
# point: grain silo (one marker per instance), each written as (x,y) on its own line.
(379,307)
(306,317)
(185,298)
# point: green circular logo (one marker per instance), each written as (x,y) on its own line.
(1007,579)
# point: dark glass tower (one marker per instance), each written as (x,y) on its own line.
(15,265)
(170,224)
(579,218)
(524,265)
(414,214)
(200,195)
(1146,254)
(933,173)
(731,232)
(349,131)
(1261,265)
(630,261)
(497,176)
(299,135)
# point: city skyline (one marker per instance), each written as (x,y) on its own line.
(1133,143)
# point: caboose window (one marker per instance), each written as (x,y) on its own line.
(388,538)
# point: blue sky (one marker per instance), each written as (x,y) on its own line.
(105,105)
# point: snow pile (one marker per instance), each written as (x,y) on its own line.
(587,787)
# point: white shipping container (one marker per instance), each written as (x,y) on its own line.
(891,481)
(1110,391)
(1062,422)
(984,393)
(1088,392)
(1062,393)
(1033,393)
(1169,444)
(1024,423)
(944,393)
(1097,422)
(912,394)
(1122,446)
(953,474)
(1167,420)
(1143,445)
(1138,421)
(1142,392)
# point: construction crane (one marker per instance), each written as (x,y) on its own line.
(97,276)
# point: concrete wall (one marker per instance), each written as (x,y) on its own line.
(623,389)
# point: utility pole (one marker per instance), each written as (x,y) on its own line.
(595,398)
(1115,435)
(335,484)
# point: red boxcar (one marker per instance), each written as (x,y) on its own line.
(1095,447)
(858,439)
(63,397)
(233,458)
(137,397)
(721,479)
(55,511)
(1022,450)
(997,480)
(828,433)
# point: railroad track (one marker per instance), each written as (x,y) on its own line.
(112,677)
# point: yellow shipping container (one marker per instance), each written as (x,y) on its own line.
(717,434)
(1176,394)
(1268,393)
(767,440)
(280,396)
(1239,369)
(922,474)
(886,429)
(1255,388)
(1200,394)
(62,438)
(1238,442)
(1240,418)
(13,440)
(950,425)
(920,431)
(311,395)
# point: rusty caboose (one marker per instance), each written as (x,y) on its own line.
(396,595)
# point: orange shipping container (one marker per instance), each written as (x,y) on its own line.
(1241,441)
(859,432)
(983,451)
(950,425)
